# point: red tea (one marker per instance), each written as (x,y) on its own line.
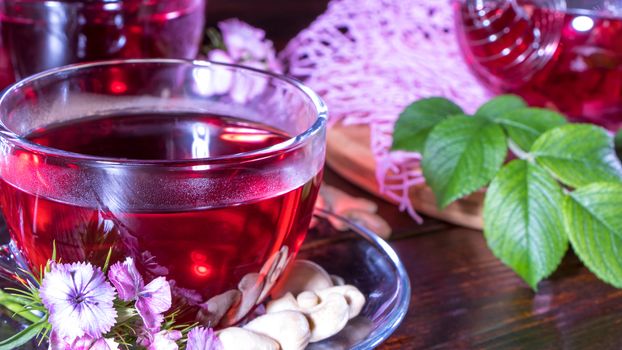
(582,77)
(206,250)
(37,34)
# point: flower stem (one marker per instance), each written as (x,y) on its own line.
(16,305)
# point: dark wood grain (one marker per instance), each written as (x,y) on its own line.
(462,296)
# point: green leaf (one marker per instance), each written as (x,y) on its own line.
(522,220)
(418,119)
(578,154)
(525,125)
(500,105)
(461,155)
(24,336)
(593,220)
(18,305)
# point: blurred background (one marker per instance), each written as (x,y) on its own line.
(290,18)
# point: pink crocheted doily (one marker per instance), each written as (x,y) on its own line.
(371,58)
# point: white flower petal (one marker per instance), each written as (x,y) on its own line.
(79,300)
(165,340)
(105,344)
(158,292)
(126,279)
(200,338)
(152,301)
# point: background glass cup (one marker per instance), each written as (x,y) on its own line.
(43,34)
(561,54)
(161,183)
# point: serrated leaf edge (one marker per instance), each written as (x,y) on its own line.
(444,201)
(525,213)
(571,197)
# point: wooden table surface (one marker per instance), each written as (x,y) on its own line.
(462,296)
(465,298)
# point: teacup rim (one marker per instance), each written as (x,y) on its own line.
(289,144)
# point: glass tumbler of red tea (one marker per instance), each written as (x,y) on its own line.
(204,173)
(43,34)
(562,54)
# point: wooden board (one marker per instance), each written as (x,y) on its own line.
(349,154)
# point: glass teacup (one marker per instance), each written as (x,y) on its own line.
(561,54)
(43,34)
(204,173)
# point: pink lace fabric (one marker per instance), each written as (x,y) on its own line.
(369,59)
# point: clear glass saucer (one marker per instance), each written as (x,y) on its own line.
(357,255)
(366,261)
